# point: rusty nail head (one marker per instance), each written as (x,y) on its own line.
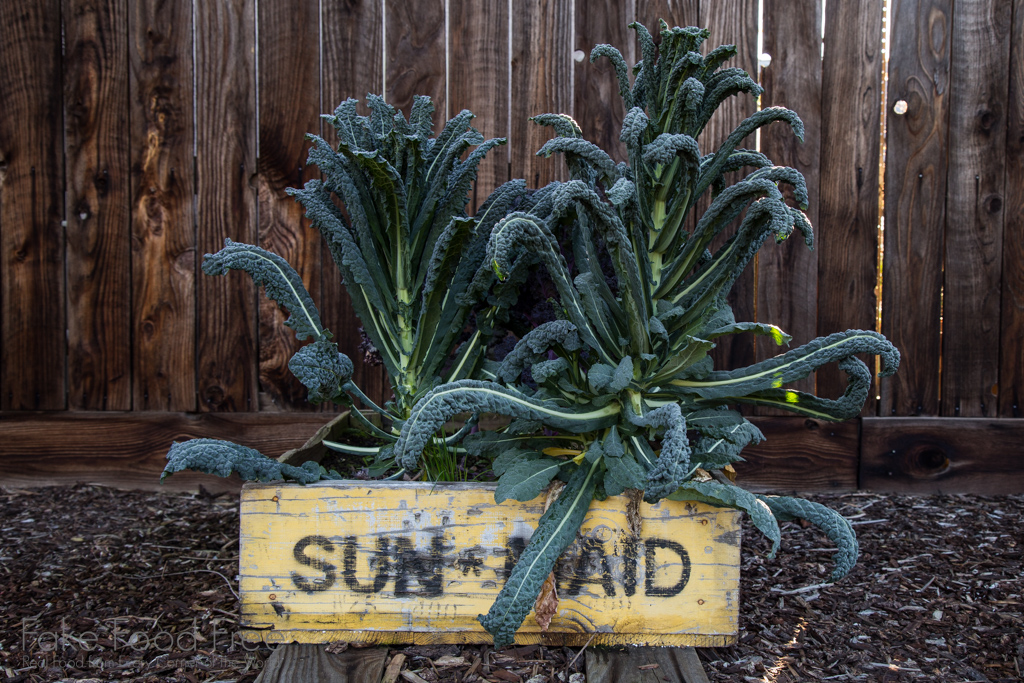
(704,522)
(275,499)
(700,602)
(272,596)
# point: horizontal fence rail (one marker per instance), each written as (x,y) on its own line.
(139,134)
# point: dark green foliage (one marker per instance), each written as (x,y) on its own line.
(224,458)
(391,207)
(407,252)
(727,495)
(641,300)
(835,526)
(279,280)
(526,477)
(323,370)
(474,396)
(555,531)
(618,392)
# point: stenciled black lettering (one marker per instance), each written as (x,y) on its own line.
(590,561)
(630,554)
(470,560)
(650,546)
(348,569)
(380,564)
(514,547)
(424,567)
(330,576)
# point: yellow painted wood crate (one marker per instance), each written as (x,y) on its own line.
(409,562)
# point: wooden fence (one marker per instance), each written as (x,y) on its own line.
(137,134)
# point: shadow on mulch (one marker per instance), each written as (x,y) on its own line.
(100,584)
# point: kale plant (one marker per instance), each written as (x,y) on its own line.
(622,394)
(391,207)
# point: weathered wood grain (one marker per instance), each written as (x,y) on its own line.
(541,83)
(162,208)
(422,557)
(674,12)
(415,50)
(915,201)
(478,73)
(801,455)
(943,455)
(549,639)
(352,67)
(394,668)
(353,35)
(787,274)
(33,346)
(128,449)
(288,80)
(974,208)
(298,662)
(1011,351)
(847,224)
(98,256)
(732,22)
(645,665)
(226,201)
(597,103)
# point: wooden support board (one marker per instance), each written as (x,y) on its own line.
(936,455)
(417,562)
(645,665)
(296,662)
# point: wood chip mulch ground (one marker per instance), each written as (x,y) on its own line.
(938,595)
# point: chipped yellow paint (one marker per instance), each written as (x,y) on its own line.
(409,562)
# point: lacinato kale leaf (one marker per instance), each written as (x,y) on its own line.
(555,531)
(224,458)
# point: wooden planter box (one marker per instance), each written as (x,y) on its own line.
(409,562)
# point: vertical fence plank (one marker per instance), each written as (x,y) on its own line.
(847,224)
(598,106)
(674,12)
(1011,362)
(731,22)
(98,242)
(735,22)
(974,207)
(787,274)
(915,200)
(32,346)
(415,50)
(478,70)
(288,81)
(541,83)
(225,200)
(163,230)
(352,67)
